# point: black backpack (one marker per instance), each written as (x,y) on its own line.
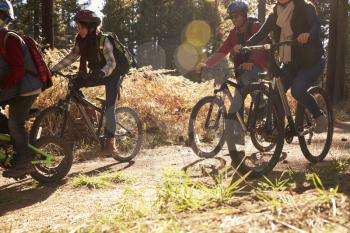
(124,58)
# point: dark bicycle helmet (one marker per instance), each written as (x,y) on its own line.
(6,6)
(237,7)
(87,16)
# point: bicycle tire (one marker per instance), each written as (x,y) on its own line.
(120,140)
(44,174)
(238,160)
(45,126)
(300,126)
(192,139)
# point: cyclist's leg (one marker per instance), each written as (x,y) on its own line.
(111,97)
(18,111)
(110,126)
(303,81)
(77,84)
(234,132)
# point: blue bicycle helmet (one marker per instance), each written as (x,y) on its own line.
(237,7)
(6,6)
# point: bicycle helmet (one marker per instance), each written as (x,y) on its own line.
(237,7)
(87,16)
(6,6)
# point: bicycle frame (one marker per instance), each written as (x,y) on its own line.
(276,85)
(82,103)
(6,139)
(224,88)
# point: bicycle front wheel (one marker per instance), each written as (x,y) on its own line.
(207,126)
(57,169)
(128,137)
(261,144)
(53,121)
(315,147)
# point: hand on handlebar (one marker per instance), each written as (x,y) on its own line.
(200,66)
(237,49)
(303,38)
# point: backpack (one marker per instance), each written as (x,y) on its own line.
(42,70)
(122,54)
(240,37)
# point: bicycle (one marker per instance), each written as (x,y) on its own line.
(210,125)
(313,146)
(57,121)
(52,158)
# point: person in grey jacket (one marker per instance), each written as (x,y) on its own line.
(18,89)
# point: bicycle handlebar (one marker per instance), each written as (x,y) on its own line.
(267,46)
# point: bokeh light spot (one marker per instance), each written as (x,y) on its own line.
(198,33)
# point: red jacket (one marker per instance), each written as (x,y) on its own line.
(15,60)
(258,58)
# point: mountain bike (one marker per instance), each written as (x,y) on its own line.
(212,122)
(314,147)
(57,120)
(52,158)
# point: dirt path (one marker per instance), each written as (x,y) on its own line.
(27,207)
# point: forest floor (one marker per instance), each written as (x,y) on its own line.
(153,194)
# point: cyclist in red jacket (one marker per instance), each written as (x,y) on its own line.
(247,66)
(18,89)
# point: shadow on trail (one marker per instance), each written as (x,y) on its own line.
(331,173)
(207,167)
(104,169)
(24,193)
(18,195)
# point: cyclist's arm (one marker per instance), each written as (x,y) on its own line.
(313,21)
(68,60)
(259,57)
(110,59)
(264,31)
(219,54)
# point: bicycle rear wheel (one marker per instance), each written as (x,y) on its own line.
(264,120)
(207,126)
(128,137)
(315,147)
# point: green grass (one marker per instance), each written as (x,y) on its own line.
(103,180)
(155,209)
(179,193)
(324,196)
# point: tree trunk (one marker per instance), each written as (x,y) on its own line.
(262,10)
(36,19)
(335,84)
(47,18)
(339,85)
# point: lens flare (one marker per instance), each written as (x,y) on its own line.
(198,33)
(151,54)
(186,58)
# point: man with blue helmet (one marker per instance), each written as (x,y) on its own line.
(244,27)
(247,66)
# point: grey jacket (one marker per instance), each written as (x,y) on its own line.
(29,82)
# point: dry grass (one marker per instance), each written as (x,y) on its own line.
(163,101)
